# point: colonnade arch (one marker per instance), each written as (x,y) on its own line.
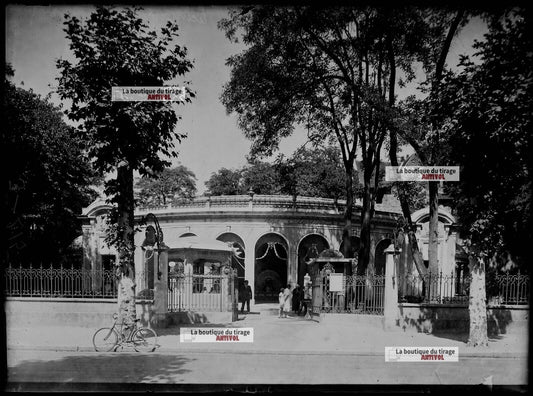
(238,260)
(309,247)
(271,266)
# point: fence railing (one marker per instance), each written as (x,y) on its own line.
(360,294)
(59,282)
(454,289)
(508,289)
(208,293)
(65,282)
(434,288)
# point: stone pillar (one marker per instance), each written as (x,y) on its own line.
(391,288)
(292,265)
(160,307)
(138,259)
(90,256)
(249,267)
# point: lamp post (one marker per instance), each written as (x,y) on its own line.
(151,240)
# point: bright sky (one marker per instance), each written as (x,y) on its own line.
(35,40)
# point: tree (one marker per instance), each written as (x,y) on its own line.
(167,186)
(330,71)
(49,177)
(225,182)
(316,172)
(114,48)
(313,172)
(415,124)
(259,177)
(487,112)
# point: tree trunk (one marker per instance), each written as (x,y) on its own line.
(348,212)
(126,246)
(477,304)
(433,248)
(406,211)
(366,220)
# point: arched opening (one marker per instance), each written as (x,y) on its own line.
(237,260)
(188,234)
(379,258)
(310,247)
(270,267)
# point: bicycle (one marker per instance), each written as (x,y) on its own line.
(111,338)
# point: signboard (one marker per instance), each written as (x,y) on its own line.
(336,282)
(422,173)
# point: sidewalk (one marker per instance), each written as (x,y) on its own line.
(272,335)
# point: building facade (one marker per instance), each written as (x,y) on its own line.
(273,236)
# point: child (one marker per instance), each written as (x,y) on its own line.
(281,298)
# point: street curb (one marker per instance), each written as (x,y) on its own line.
(481,354)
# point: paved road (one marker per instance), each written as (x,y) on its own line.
(26,367)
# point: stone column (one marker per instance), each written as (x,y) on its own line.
(249,267)
(391,289)
(139,262)
(90,256)
(160,307)
(292,265)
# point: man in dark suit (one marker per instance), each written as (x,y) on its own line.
(246,296)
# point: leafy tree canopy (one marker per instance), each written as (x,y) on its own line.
(114,47)
(225,182)
(487,108)
(49,176)
(167,186)
(313,172)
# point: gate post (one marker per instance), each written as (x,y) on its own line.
(390,309)
(160,308)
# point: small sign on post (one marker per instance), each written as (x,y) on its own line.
(336,282)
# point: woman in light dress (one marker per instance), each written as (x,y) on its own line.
(287,300)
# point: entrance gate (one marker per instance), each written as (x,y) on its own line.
(207,293)
(358,294)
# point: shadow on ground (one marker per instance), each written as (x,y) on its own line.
(462,337)
(453,322)
(91,369)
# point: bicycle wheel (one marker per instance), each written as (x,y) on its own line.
(144,340)
(105,339)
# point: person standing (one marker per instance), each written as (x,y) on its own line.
(301,302)
(281,299)
(246,296)
(296,299)
(287,300)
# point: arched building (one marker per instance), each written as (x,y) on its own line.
(274,236)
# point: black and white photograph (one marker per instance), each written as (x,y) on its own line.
(261,198)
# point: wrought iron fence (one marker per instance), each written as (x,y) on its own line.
(508,289)
(65,282)
(59,282)
(434,288)
(454,289)
(208,293)
(360,294)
